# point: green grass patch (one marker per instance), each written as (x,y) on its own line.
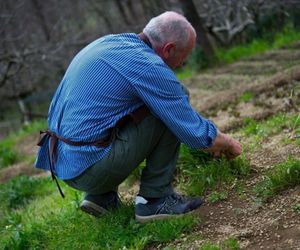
(286,37)
(246,97)
(8,154)
(296,208)
(273,125)
(71,229)
(230,244)
(199,172)
(217,196)
(283,38)
(282,176)
(20,190)
(36,217)
(235,53)
(184,73)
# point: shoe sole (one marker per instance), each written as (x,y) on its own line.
(149,218)
(145,219)
(92,208)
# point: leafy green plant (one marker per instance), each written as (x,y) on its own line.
(271,125)
(20,190)
(7,155)
(115,230)
(282,176)
(217,196)
(296,208)
(246,96)
(285,37)
(230,244)
(199,172)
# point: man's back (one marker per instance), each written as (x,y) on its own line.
(94,94)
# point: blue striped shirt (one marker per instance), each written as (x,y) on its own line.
(106,80)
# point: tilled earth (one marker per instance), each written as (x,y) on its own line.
(273,81)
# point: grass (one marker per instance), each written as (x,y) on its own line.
(290,123)
(199,172)
(284,38)
(217,196)
(8,153)
(282,176)
(246,97)
(230,244)
(21,190)
(34,216)
(296,208)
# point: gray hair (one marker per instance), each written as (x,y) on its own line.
(169,27)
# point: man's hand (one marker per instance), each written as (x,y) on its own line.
(226,145)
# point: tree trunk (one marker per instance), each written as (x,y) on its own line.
(190,11)
(40,15)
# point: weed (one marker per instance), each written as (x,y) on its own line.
(8,154)
(246,96)
(282,176)
(251,127)
(286,37)
(20,190)
(209,246)
(217,196)
(230,244)
(49,222)
(184,73)
(200,172)
(296,208)
(240,189)
(271,126)
(116,230)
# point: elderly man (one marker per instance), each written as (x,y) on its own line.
(120,103)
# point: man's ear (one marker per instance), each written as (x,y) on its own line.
(168,50)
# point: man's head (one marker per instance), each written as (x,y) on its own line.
(172,37)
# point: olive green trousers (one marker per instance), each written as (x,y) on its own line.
(150,140)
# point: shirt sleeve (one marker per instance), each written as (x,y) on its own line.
(164,95)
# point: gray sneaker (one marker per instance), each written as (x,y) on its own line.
(97,205)
(172,205)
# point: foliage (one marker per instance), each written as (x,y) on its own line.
(230,244)
(296,208)
(287,36)
(217,196)
(21,190)
(246,97)
(272,125)
(199,172)
(48,222)
(8,154)
(282,176)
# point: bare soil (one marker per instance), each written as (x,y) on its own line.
(273,79)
